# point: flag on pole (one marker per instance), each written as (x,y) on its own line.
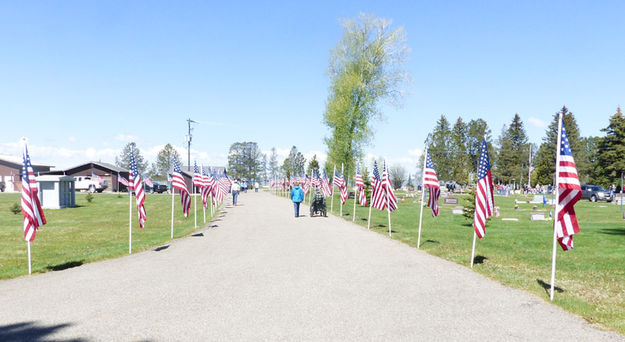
(135,179)
(325,185)
(430,181)
(362,197)
(306,185)
(339,181)
(149,182)
(122,180)
(383,194)
(97,178)
(484,200)
(31,207)
(569,192)
(376,184)
(177,182)
(316,180)
(198,181)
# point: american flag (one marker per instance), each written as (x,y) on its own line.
(339,181)
(376,185)
(306,185)
(135,179)
(97,178)
(177,182)
(31,207)
(325,185)
(198,181)
(484,200)
(208,186)
(362,198)
(384,195)
(149,182)
(430,181)
(316,180)
(122,180)
(569,192)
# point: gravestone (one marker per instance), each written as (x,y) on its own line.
(537,217)
(451,200)
(457,211)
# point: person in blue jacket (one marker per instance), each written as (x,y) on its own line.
(297,196)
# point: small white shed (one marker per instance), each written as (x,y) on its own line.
(56,192)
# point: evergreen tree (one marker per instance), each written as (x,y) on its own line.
(164,162)
(439,149)
(295,164)
(611,151)
(591,148)
(458,153)
(477,130)
(245,160)
(274,170)
(513,154)
(546,157)
(313,165)
(123,160)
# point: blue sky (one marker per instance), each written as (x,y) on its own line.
(88,76)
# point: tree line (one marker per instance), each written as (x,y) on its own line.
(455,151)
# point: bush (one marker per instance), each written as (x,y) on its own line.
(15,208)
(89,197)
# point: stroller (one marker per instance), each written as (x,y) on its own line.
(318,205)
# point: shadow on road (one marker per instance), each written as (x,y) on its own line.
(32,331)
(547,287)
(158,249)
(198,235)
(64,266)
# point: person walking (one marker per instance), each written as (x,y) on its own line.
(235,191)
(297,196)
(256,186)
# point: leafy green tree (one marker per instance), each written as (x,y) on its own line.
(439,147)
(513,154)
(123,160)
(611,151)
(546,156)
(245,160)
(164,163)
(397,173)
(365,68)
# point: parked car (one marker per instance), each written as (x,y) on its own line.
(595,193)
(2,186)
(90,184)
(158,188)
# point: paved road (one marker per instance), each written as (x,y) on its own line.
(262,274)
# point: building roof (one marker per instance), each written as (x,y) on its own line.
(17,161)
(111,167)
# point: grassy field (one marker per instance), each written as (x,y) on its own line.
(590,279)
(91,231)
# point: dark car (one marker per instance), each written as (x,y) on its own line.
(596,193)
(158,188)
(2,186)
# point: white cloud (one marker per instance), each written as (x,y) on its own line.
(126,138)
(537,122)
(71,139)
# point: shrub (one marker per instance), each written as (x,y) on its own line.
(89,197)
(15,208)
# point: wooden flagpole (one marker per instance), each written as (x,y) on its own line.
(422,197)
(556,211)
(332,200)
(172,210)
(388,207)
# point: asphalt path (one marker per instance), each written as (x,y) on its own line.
(258,273)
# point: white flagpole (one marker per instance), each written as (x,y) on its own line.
(344,182)
(557,204)
(422,196)
(474,233)
(370,206)
(129,221)
(311,188)
(332,200)
(172,211)
(355,196)
(529,170)
(204,210)
(388,207)
(210,197)
(195,204)
(29,266)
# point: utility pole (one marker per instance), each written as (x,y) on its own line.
(188,139)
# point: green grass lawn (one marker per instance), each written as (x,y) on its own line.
(590,279)
(91,231)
